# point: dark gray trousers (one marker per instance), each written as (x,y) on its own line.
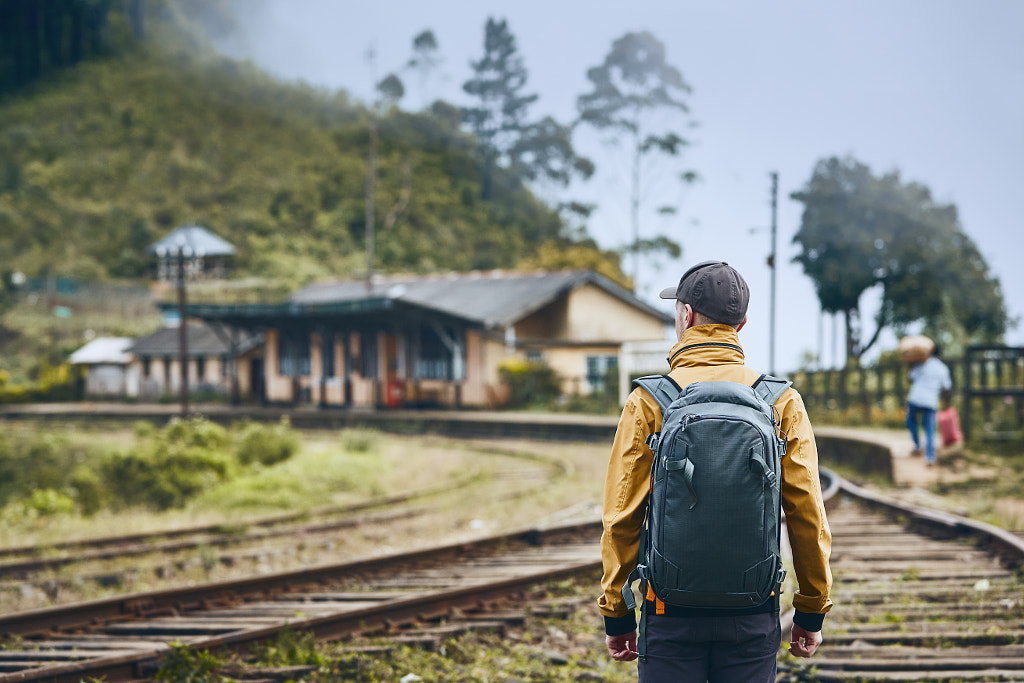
(739,649)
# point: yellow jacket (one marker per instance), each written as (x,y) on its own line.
(709,353)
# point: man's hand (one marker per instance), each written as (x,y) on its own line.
(802,643)
(622,648)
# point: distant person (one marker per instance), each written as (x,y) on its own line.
(677,642)
(930,383)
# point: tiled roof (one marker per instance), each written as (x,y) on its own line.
(202,341)
(104,350)
(200,241)
(495,298)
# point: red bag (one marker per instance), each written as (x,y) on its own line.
(949,426)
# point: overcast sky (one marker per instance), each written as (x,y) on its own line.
(930,87)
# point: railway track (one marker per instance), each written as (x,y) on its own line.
(64,572)
(123,638)
(920,596)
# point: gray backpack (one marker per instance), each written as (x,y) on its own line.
(711,538)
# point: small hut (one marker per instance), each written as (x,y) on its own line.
(202,254)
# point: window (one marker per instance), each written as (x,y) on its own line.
(201,368)
(145,367)
(327,350)
(368,353)
(435,360)
(293,354)
(598,369)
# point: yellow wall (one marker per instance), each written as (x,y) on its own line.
(278,387)
(570,363)
(587,322)
(548,322)
(595,315)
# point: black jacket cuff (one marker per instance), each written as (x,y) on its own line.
(807,621)
(617,626)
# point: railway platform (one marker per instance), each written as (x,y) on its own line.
(884,451)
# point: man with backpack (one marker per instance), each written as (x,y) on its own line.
(702,460)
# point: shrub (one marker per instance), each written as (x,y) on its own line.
(165,477)
(194,431)
(47,502)
(530,383)
(41,461)
(265,444)
(183,459)
(88,490)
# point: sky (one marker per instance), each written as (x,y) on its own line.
(932,88)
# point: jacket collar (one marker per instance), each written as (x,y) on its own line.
(706,345)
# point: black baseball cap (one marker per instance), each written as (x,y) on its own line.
(714,289)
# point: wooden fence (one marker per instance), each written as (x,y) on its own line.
(988,384)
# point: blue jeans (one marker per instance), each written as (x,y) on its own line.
(927,420)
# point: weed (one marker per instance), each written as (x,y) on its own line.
(292,648)
(359,440)
(182,665)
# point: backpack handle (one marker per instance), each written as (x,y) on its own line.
(662,388)
(769,388)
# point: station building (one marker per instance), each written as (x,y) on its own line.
(429,339)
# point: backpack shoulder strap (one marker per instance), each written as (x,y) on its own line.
(769,388)
(662,388)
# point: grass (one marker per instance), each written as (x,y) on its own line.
(515,484)
(542,649)
(476,488)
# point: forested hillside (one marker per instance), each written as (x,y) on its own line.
(104,159)
(119,123)
(105,150)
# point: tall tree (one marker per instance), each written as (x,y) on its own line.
(499,114)
(859,231)
(630,92)
(390,90)
(425,60)
(544,152)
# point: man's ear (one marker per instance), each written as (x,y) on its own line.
(740,326)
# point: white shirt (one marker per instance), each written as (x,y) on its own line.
(927,381)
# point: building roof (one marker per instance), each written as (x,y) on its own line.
(202,340)
(104,351)
(493,298)
(200,241)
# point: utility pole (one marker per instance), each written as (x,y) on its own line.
(371,172)
(182,327)
(771,264)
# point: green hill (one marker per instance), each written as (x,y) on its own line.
(101,159)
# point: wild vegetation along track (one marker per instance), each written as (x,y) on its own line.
(919,596)
(122,638)
(288,539)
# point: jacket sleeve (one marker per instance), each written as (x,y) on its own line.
(806,524)
(625,506)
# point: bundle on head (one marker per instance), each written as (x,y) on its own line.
(916,348)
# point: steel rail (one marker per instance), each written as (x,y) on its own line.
(124,665)
(921,595)
(319,521)
(62,622)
